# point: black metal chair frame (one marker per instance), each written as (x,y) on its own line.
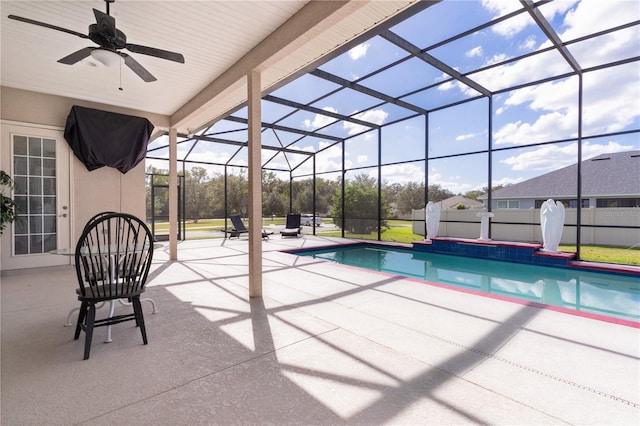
(113,257)
(239,228)
(69,323)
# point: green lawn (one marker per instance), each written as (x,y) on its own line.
(624,256)
(401,232)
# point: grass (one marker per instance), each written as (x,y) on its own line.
(619,255)
(401,232)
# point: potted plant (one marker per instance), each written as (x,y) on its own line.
(7,206)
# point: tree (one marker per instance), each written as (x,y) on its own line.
(303,195)
(237,193)
(325,192)
(196,196)
(411,197)
(436,193)
(473,195)
(392,191)
(361,206)
(158,178)
(275,195)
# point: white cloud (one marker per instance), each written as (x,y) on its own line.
(455,84)
(465,137)
(543,159)
(552,157)
(320,120)
(402,173)
(361,159)
(375,116)
(595,15)
(330,159)
(507,181)
(476,51)
(528,44)
(500,57)
(308,148)
(454,184)
(606,107)
(517,23)
(360,51)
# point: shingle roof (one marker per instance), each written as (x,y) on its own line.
(616,174)
(451,202)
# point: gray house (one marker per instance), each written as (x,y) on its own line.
(608,180)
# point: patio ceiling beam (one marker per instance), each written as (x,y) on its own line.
(362,89)
(415,51)
(287,129)
(320,111)
(546,28)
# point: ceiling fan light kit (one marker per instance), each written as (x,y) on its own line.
(110,41)
(106,57)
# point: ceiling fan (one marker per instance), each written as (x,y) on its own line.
(110,41)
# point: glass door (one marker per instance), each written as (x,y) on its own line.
(38,162)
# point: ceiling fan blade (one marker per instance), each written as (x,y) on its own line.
(158,53)
(44,24)
(76,56)
(137,68)
(106,23)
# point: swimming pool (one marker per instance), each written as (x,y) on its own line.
(601,295)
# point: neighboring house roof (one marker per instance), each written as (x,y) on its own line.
(607,175)
(452,202)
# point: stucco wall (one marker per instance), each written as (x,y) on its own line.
(105,189)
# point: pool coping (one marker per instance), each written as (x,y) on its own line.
(577,265)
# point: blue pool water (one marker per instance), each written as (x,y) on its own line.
(595,293)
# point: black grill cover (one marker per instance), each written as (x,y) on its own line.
(100,138)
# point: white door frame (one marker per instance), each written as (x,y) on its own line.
(63,195)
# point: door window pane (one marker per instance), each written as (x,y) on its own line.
(34,171)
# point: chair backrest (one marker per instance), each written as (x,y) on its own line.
(293,221)
(97,216)
(113,256)
(237,223)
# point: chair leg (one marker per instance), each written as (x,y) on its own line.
(91,319)
(82,314)
(137,309)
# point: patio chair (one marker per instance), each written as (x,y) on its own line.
(153,303)
(112,258)
(239,228)
(292,226)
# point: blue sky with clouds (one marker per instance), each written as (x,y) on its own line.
(520,118)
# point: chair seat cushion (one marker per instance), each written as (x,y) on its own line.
(290,231)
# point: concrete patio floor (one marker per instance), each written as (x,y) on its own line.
(325,345)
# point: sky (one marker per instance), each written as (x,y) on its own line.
(529,115)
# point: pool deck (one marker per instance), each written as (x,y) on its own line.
(324,345)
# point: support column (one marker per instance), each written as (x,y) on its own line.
(173,193)
(255,184)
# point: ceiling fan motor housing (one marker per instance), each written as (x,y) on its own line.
(105,40)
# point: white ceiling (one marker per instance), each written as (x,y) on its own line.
(212,36)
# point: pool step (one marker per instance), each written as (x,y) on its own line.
(509,251)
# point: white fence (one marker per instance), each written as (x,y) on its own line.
(520,230)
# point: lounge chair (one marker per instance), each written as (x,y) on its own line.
(292,227)
(239,228)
